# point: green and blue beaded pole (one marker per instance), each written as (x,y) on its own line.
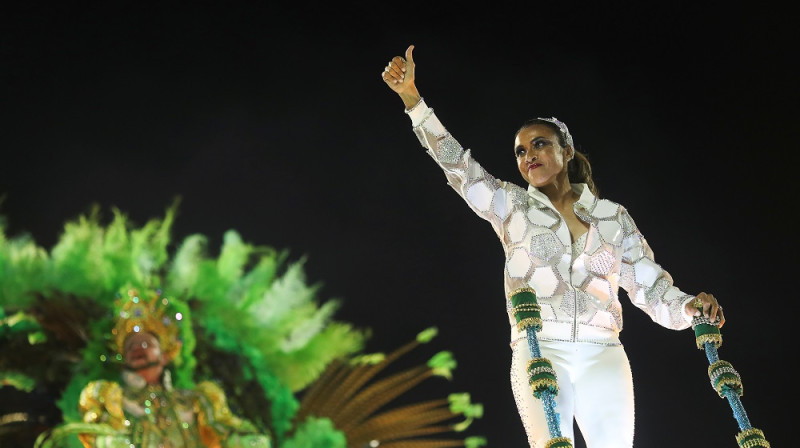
(541,375)
(726,381)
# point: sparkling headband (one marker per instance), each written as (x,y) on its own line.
(562,126)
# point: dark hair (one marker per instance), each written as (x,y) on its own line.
(579,169)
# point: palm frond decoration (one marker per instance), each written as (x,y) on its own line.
(357,405)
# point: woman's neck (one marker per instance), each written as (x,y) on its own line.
(560,193)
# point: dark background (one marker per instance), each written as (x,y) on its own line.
(273,120)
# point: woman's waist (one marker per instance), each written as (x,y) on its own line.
(575,316)
(573,331)
(576,305)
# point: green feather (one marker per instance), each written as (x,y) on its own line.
(427,335)
(443,364)
(316,433)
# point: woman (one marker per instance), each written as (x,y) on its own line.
(573,250)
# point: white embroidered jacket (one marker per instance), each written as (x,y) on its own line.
(578,293)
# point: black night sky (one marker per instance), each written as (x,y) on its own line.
(273,120)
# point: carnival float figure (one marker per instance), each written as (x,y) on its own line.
(144,409)
(132,344)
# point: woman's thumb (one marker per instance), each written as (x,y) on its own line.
(409,56)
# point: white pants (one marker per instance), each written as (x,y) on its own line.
(595,389)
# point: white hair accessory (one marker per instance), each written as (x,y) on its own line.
(563,127)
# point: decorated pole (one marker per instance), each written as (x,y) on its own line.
(541,375)
(726,381)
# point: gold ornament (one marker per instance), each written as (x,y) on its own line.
(137,313)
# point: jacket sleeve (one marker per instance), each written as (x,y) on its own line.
(648,285)
(490,198)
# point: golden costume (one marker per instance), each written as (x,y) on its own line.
(159,416)
(135,414)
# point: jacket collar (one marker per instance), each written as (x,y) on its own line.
(582,206)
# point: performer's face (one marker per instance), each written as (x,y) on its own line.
(540,158)
(142,350)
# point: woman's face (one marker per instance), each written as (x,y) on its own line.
(540,158)
(142,350)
